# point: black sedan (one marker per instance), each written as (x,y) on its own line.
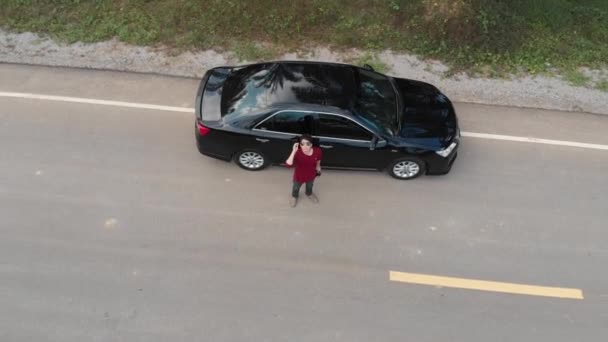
(360,118)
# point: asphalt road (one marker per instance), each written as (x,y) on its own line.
(114,228)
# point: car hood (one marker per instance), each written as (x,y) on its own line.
(427,115)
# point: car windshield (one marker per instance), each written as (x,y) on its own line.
(376,101)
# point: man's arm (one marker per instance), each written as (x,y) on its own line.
(289,160)
(319,161)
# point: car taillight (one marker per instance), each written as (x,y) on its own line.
(202,130)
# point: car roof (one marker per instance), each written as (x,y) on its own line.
(298,62)
(255,87)
(306,107)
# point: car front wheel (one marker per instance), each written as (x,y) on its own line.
(406,168)
(250,160)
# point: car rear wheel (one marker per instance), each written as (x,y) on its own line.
(406,168)
(250,160)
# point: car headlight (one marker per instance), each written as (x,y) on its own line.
(446,151)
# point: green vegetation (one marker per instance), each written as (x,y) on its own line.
(371,60)
(602,85)
(250,51)
(575,77)
(492,37)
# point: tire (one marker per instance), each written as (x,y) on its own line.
(251,160)
(406,168)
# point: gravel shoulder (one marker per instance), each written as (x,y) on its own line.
(534,92)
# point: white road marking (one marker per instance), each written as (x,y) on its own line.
(534,140)
(111,223)
(95,101)
(191,110)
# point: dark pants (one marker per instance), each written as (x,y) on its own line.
(295,192)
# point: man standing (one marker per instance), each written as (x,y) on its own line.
(307,162)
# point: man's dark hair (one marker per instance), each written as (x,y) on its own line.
(305,137)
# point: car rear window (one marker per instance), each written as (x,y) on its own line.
(211,101)
(260,86)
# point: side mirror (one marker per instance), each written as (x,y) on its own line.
(373,143)
(368,67)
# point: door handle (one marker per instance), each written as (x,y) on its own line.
(326,146)
(262,140)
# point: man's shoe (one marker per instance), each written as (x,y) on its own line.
(293,201)
(314,198)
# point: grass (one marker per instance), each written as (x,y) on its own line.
(491,37)
(602,85)
(576,78)
(250,51)
(373,61)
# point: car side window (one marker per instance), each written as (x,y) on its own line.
(289,122)
(335,126)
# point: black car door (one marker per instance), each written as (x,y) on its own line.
(277,134)
(345,143)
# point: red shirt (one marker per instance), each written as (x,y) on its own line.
(306,166)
